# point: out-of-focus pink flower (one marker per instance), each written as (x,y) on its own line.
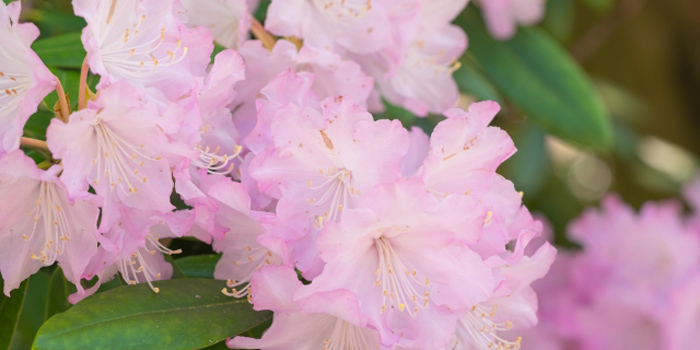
(39,225)
(24,79)
(117,147)
(630,287)
(227,20)
(503,16)
(145,43)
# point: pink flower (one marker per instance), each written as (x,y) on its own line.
(24,80)
(117,147)
(321,162)
(503,16)
(144,43)
(39,225)
(358,26)
(332,76)
(227,20)
(308,324)
(402,252)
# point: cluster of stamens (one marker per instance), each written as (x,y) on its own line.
(346,336)
(137,265)
(401,286)
(48,216)
(484,331)
(259,257)
(336,190)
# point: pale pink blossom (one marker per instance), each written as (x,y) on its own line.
(313,323)
(504,16)
(117,147)
(360,26)
(322,162)
(145,43)
(39,225)
(227,20)
(24,79)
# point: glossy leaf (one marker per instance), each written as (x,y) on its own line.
(177,271)
(54,22)
(188,313)
(10,310)
(32,316)
(58,291)
(471,79)
(61,51)
(535,73)
(198,265)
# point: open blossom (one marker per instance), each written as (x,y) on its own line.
(399,251)
(143,42)
(321,162)
(359,26)
(630,285)
(24,79)
(117,147)
(503,16)
(39,225)
(329,320)
(227,20)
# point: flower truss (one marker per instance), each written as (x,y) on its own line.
(403,240)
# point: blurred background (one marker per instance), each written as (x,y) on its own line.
(644,59)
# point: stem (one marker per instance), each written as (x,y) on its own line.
(82,103)
(65,110)
(259,32)
(34,143)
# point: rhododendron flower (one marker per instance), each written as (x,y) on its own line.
(227,20)
(626,288)
(360,26)
(39,225)
(24,79)
(503,16)
(332,76)
(308,324)
(144,43)
(400,251)
(116,146)
(323,162)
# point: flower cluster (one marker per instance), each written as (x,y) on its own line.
(407,240)
(634,285)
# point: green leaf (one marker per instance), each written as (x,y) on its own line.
(529,168)
(600,5)
(53,23)
(61,51)
(177,271)
(188,313)
(470,78)
(199,265)
(10,310)
(32,315)
(559,18)
(59,290)
(535,73)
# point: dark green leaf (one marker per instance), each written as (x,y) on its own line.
(177,271)
(59,290)
(471,79)
(600,5)
(33,311)
(53,23)
(534,72)
(188,313)
(61,51)
(529,167)
(10,310)
(559,18)
(199,265)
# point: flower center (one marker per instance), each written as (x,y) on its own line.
(49,216)
(118,160)
(346,336)
(484,332)
(401,286)
(139,50)
(258,257)
(334,192)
